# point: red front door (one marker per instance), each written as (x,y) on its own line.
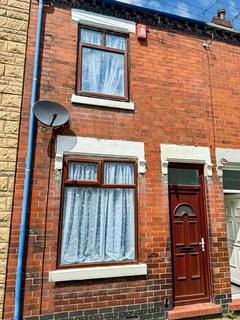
(189,236)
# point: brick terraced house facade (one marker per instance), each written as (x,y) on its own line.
(14,16)
(134,208)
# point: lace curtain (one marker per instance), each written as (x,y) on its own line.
(102,71)
(98,223)
(82,171)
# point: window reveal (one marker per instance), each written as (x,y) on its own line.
(102,70)
(98,213)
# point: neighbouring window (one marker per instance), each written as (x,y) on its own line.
(98,212)
(231,180)
(102,64)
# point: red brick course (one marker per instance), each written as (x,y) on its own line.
(182,95)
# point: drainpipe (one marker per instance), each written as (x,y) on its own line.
(27,181)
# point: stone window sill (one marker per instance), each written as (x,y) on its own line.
(97,272)
(102,102)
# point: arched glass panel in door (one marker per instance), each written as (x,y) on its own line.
(184,209)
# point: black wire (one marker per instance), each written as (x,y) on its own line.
(181,9)
(184,1)
(198,7)
(163,40)
(203,10)
(235,8)
(229,5)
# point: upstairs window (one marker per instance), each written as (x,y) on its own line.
(102,64)
(98,212)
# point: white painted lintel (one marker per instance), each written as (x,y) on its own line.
(97,20)
(85,146)
(185,154)
(227,159)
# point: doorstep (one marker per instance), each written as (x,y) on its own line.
(194,310)
(234,305)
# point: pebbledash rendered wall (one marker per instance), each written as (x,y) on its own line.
(184,95)
(14,16)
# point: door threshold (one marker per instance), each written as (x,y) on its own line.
(194,310)
(235,304)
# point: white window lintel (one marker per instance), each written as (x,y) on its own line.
(92,19)
(227,159)
(97,272)
(185,154)
(67,145)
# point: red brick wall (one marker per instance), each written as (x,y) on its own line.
(182,95)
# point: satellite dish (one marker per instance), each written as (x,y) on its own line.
(50,113)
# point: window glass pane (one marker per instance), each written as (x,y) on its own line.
(98,225)
(231,179)
(82,171)
(184,208)
(91,36)
(102,72)
(114,41)
(118,173)
(183,176)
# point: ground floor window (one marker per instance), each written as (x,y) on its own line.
(98,217)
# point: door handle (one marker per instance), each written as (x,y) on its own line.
(202,244)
